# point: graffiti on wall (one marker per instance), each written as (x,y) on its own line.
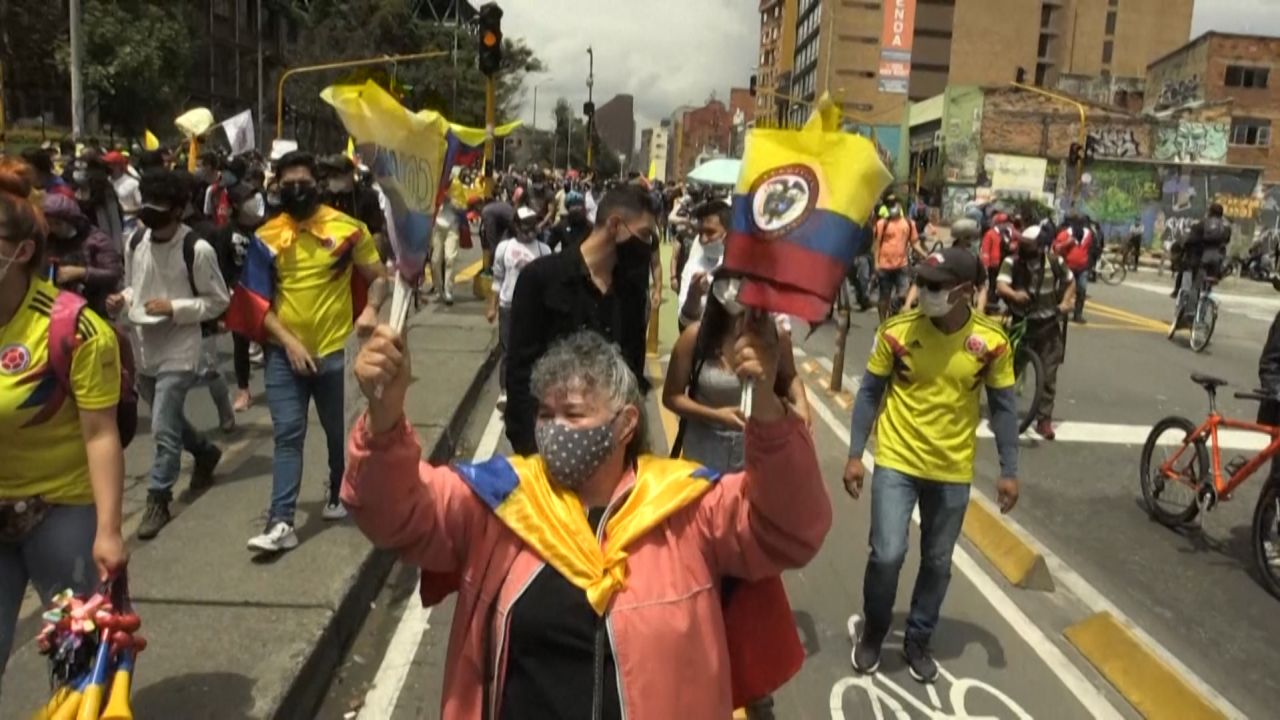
(1015,172)
(963,131)
(1178,92)
(1116,193)
(1192,142)
(1187,191)
(1115,142)
(958,198)
(1269,217)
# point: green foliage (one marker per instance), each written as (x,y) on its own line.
(336,30)
(136,63)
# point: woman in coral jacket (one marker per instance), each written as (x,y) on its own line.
(589,575)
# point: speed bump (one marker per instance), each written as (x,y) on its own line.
(1020,563)
(1156,690)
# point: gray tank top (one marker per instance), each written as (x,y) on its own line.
(715,446)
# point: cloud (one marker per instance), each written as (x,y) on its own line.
(1254,17)
(665,53)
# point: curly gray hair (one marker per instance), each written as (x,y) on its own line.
(588,362)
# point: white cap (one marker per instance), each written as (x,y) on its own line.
(1032,233)
(525,213)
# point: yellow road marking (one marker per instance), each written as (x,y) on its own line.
(1020,564)
(1146,681)
(467,273)
(670,423)
(1130,328)
(1126,316)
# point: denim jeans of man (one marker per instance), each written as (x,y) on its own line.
(57,554)
(289,397)
(166,394)
(894,496)
(1082,288)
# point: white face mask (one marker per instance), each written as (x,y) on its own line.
(936,303)
(726,291)
(6,263)
(714,250)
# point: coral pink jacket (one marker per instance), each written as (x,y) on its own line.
(665,628)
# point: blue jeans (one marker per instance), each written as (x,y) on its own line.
(57,554)
(942,506)
(1082,285)
(166,393)
(289,396)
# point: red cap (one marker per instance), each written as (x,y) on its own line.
(115,158)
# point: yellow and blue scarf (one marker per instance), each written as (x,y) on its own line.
(551,520)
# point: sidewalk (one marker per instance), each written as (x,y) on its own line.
(235,637)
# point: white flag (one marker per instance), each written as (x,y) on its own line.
(239,130)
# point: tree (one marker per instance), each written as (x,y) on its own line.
(334,30)
(136,63)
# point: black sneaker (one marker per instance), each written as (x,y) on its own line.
(202,474)
(866,657)
(919,661)
(155,517)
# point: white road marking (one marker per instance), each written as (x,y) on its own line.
(1117,434)
(1064,576)
(1004,608)
(1260,308)
(380,702)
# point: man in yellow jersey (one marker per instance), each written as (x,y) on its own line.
(932,363)
(304,274)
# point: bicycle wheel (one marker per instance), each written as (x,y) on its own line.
(1113,273)
(1203,325)
(1028,386)
(1266,537)
(1172,500)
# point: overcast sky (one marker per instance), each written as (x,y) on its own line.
(672,52)
(664,52)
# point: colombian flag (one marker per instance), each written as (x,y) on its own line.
(764,647)
(800,213)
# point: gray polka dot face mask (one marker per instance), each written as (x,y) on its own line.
(573,454)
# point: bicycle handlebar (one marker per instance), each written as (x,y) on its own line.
(1258,395)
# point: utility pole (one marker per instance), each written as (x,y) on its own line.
(262,103)
(568,154)
(535,106)
(77,82)
(591,116)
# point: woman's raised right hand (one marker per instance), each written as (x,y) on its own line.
(383,371)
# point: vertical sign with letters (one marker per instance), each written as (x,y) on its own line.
(895,45)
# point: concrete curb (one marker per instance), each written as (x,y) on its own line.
(1016,560)
(302,699)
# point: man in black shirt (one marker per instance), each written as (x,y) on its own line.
(573,228)
(343,193)
(601,285)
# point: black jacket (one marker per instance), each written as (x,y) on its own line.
(1269,375)
(555,298)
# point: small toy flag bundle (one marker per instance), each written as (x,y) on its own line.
(91,644)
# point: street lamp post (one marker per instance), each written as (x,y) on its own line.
(535,105)
(591,119)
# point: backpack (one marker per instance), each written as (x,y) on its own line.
(189,240)
(1006,241)
(64,318)
(1023,276)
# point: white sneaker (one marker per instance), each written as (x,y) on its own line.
(502,402)
(334,511)
(278,536)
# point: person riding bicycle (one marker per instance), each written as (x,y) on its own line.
(1204,252)
(997,245)
(1039,288)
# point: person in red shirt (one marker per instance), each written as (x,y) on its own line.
(1074,244)
(997,244)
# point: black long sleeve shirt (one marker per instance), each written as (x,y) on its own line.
(555,298)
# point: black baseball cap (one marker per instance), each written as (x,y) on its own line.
(950,267)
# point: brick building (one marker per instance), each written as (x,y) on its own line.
(616,126)
(707,130)
(777,51)
(875,56)
(654,146)
(1233,73)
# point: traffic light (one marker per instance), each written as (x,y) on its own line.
(588,108)
(1075,153)
(490,36)
(752,87)
(1090,148)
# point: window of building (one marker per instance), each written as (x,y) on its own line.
(1042,71)
(1111,22)
(1251,131)
(1046,17)
(1108,49)
(1043,49)
(1114,3)
(1247,77)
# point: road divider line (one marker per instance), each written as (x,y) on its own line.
(1070,431)
(1067,578)
(383,696)
(1151,686)
(1085,692)
(1017,561)
(466,274)
(1125,315)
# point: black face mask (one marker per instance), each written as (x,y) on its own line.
(300,200)
(155,218)
(634,254)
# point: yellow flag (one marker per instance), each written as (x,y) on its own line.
(150,141)
(351,147)
(653,168)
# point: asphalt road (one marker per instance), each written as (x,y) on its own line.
(1002,647)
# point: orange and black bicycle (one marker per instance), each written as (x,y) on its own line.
(1183,476)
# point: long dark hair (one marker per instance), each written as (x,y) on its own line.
(715,325)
